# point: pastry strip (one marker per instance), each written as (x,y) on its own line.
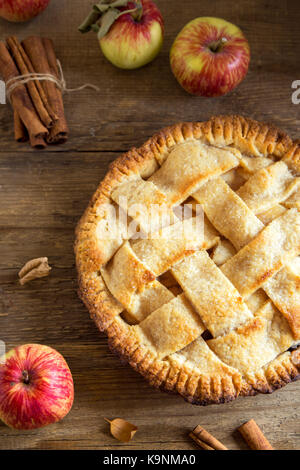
(284,290)
(271,214)
(228,213)
(144,203)
(254,164)
(190,165)
(222,252)
(268,187)
(213,296)
(257,300)
(112,230)
(264,256)
(198,354)
(293,200)
(172,327)
(171,244)
(150,299)
(133,284)
(268,333)
(125,275)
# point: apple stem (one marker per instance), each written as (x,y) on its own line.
(26,378)
(138,12)
(216,46)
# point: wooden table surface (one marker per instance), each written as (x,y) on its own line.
(43,194)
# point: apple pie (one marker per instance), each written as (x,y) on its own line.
(202,294)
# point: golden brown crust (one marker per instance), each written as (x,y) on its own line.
(251,138)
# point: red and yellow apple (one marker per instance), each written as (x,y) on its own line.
(36,387)
(21,10)
(131,35)
(133,42)
(210,57)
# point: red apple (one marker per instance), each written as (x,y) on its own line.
(36,387)
(210,57)
(133,39)
(21,10)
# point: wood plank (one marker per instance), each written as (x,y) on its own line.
(108,389)
(128,109)
(48,190)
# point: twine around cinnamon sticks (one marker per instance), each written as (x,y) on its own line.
(35,82)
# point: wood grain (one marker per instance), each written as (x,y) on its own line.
(43,194)
(133,104)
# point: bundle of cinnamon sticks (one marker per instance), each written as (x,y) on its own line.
(38,105)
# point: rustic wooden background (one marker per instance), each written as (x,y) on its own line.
(43,193)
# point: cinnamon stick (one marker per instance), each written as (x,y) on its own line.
(41,54)
(206,440)
(33,87)
(200,443)
(254,436)
(40,88)
(21,134)
(20,98)
(37,142)
(60,131)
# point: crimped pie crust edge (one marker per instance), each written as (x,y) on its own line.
(250,137)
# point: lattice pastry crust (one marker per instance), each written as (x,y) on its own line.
(215,313)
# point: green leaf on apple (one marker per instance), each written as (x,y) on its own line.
(107,20)
(108,12)
(91,19)
(112,14)
(103,6)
